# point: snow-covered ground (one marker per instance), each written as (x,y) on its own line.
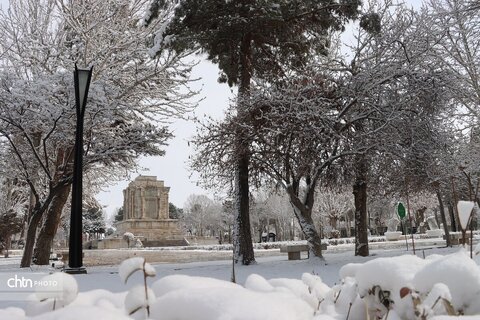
(274,288)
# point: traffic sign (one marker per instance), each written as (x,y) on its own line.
(401,210)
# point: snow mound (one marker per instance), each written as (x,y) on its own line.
(100,297)
(177,282)
(12,314)
(258,283)
(404,287)
(389,273)
(61,291)
(297,288)
(316,286)
(458,272)
(82,313)
(349,270)
(234,303)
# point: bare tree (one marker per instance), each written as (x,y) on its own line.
(333,208)
(203,216)
(131,100)
(250,39)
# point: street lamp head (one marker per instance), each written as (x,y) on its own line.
(82,84)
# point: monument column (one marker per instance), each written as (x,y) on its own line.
(131,214)
(125,204)
(130,204)
(164,203)
(159,204)
(142,202)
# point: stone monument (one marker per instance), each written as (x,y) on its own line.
(146,214)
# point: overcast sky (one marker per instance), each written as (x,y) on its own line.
(172,167)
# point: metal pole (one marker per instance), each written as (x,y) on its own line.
(75,253)
(404,225)
(409,216)
(471,235)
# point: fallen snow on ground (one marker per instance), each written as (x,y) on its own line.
(393,284)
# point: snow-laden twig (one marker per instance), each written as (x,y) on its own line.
(138,297)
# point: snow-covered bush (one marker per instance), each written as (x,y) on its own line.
(404,287)
(129,237)
(139,298)
(62,289)
(408,287)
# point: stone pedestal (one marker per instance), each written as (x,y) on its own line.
(155,233)
(146,213)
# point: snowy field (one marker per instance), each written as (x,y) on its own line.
(342,287)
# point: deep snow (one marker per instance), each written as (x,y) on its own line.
(274,288)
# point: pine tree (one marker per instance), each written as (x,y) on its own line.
(94,221)
(119,215)
(247,38)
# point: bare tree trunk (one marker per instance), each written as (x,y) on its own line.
(292,230)
(243,236)
(444,218)
(30,240)
(453,221)
(435,213)
(8,244)
(278,232)
(347,225)
(41,254)
(313,238)
(361,215)
(303,213)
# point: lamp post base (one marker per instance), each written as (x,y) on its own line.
(80,270)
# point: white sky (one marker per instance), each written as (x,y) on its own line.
(172,167)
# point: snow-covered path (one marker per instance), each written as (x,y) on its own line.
(296,292)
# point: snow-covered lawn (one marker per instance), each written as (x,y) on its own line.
(390,283)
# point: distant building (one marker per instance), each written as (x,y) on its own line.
(145,213)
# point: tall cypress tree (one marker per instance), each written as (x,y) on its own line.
(248,38)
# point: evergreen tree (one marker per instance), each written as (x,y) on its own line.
(119,215)
(10,224)
(247,38)
(173,211)
(94,221)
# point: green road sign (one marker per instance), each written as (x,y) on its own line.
(401,210)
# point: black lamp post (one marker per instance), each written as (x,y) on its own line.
(82,79)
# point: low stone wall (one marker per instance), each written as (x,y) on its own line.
(120,243)
(166,243)
(199,241)
(114,243)
(151,230)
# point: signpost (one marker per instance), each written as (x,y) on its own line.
(465,209)
(401,211)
